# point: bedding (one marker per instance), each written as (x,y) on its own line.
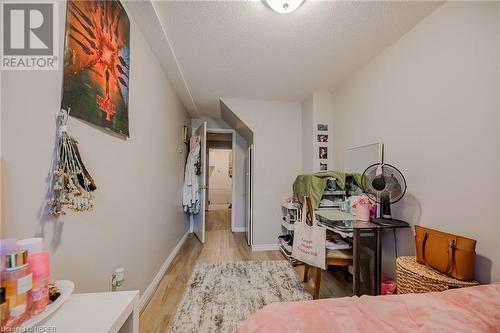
(473,309)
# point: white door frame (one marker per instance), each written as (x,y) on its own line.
(199,219)
(233,146)
(249,194)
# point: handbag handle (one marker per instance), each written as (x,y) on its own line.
(452,245)
(308,212)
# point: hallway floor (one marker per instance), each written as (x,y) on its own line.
(221,245)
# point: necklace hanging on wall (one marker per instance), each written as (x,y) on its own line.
(72,185)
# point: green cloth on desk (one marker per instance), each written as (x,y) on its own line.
(357,178)
(313,185)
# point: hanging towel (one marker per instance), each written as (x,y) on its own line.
(190,190)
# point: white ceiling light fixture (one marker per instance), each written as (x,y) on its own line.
(284,6)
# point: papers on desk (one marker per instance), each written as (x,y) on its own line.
(344,234)
(336,221)
(342,231)
(337,244)
(335,215)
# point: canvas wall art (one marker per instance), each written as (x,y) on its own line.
(97,64)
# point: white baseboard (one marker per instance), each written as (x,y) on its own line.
(265,247)
(239,229)
(150,290)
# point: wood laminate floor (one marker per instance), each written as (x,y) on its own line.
(220,245)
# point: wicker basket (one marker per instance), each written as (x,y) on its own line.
(413,277)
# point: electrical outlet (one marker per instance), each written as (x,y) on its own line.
(117,278)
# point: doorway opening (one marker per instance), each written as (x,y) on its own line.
(219,179)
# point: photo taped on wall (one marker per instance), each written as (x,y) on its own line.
(323,127)
(323,153)
(322,138)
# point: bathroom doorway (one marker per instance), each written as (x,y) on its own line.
(219,178)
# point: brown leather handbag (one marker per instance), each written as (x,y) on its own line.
(449,254)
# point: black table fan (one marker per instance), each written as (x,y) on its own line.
(384,184)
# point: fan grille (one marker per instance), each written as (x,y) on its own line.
(393,181)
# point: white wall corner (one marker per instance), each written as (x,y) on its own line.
(150,290)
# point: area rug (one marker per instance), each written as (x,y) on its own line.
(219,296)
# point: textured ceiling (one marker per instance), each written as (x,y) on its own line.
(243,49)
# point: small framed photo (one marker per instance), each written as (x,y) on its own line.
(185,135)
(322,137)
(323,127)
(323,167)
(323,153)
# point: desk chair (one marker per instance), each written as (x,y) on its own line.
(333,258)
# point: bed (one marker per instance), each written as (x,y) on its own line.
(473,309)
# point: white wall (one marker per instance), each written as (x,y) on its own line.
(498,106)
(323,115)
(317,109)
(277,135)
(138,217)
(308,152)
(432,98)
(220,190)
(239,151)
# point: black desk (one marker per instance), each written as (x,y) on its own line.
(366,241)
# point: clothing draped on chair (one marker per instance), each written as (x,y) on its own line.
(191,193)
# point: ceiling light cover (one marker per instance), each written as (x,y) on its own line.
(284,6)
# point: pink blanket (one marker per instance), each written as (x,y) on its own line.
(474,309)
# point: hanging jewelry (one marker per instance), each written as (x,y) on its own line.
(72,183)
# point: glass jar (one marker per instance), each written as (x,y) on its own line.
(17,281)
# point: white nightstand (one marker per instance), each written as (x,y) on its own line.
(96,312)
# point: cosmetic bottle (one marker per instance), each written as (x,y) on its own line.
(7,246)
(40,268)
(17,281)
(4,308)
(32,245)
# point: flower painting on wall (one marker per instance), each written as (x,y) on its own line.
(97,63)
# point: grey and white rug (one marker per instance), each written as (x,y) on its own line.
(219,296)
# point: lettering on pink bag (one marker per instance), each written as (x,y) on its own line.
(306,248)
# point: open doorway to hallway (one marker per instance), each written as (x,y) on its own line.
(219,176)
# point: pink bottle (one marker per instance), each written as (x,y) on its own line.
(39,296)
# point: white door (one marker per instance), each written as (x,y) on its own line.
(249,199)
(199,219)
